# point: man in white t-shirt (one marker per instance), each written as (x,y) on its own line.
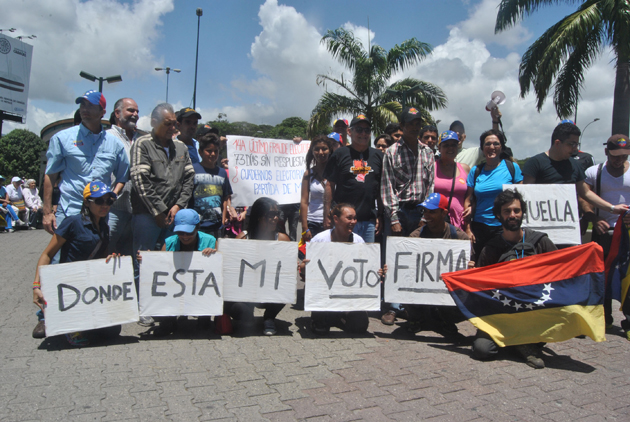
(611,181)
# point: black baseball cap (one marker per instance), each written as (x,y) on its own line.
(187,112)
(360,118)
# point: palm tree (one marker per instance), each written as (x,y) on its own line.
(369,91)
(569,47)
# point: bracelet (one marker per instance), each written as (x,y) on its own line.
(304,232)
(495,122)
(612,208)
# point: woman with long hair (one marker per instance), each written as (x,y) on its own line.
(485,182)
(450,178)
(263,225)
(79,237)
(312,204)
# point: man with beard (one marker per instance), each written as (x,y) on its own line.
(514,243)
(125,118)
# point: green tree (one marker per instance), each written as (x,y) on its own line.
(369,89)
(567,49)
(20,154)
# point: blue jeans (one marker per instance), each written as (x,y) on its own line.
(366,230)
(59,217)
(147,236)
(120,236)
(10,217)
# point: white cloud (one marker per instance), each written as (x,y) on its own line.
(480,26)
(99,37)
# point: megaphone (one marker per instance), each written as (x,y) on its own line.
(496,99)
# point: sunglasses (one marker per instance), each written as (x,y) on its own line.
(366,130)
(273,214)
(100,201)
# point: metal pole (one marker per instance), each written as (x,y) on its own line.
(100,84)
(168,71)
(199,13)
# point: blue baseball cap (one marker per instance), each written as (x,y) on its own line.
(567,121)
(186,221)
(435,201)
(94,97)
(447,135)
(96,189)
(335,136)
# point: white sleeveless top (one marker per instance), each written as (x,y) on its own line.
(316,201)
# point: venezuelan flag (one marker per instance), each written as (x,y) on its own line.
(542,298)
(618,262)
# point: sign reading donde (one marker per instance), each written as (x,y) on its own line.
(266,167)
(88,294)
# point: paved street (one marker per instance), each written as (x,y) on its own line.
(198,376)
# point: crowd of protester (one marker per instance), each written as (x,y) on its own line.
(123,192)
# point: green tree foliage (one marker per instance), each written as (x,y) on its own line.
(287,129)
(20,154)
(368,90)
(561,56)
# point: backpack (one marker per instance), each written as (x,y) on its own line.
(527,247)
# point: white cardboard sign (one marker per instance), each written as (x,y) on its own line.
(90,294)
(259,271)
(265,167)
(552,209)
(415,267)
(181,283)
(342,277)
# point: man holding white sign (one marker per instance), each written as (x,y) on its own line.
(556,166)
(444,256)
(339,297)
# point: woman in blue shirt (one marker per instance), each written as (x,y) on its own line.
(485,182)
(80,237)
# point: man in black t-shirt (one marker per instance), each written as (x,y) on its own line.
(556,166)
(353,175)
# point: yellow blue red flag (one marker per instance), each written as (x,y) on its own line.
(549,297)
(618,262)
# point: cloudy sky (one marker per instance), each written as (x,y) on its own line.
(258,60)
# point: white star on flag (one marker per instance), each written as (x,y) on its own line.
(506,302)
(496,295)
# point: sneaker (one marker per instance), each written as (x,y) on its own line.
(270,327)
(77,340)
(388,318)
(40,330)
(10,230)
(146,321)
(32,228)
(531,355)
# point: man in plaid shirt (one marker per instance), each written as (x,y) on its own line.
(407,176)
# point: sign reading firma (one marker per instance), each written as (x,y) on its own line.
(15,73)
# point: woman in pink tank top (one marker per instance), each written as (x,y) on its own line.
(445,169)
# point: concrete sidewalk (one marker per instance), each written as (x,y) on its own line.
(196,376)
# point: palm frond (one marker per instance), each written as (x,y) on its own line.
(409,53)
(330,106)
(543,59)
(344,47)
(512,11)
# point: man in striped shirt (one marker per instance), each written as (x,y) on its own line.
(407,176)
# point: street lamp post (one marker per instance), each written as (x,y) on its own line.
(8,30)
(100,79)
(30,37)
(168,72)
(199,14)
(584,130)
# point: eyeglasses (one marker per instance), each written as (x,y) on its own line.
(100,201)
(365,130)
(272,214)
(572,144)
